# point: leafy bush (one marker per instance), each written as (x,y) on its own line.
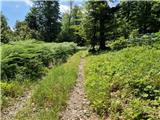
(8,91)
(119,44)
(29,59)
(138,40)
(146,39)
(125,84)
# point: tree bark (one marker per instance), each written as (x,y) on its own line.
(102,45)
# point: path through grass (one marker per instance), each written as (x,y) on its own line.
(78,106)
(50,95)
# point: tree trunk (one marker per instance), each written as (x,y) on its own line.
(102,45)
(70,14)
(93,40)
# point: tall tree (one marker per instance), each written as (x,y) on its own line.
(141,15)
(148,16)
(70,29)
(23,32)
(70,14)
(65,35)
(44,17)
(31,18)
(5,30)
(76,20)
(100,20)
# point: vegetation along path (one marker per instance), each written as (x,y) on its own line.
(11,111)
(78,105)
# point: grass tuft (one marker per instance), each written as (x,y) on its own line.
(50,95)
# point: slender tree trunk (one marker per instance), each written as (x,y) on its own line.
(102,45)
(93,41)
(93,37)
(70,15)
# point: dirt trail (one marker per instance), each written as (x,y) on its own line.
(10,112)
(78,106)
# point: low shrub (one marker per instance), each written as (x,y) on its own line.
(140,40)
(29,59)
(146,39)
(8,91)
(125,84)
(119,44)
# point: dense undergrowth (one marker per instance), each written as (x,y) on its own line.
(135,40)
(50,95)
(27,60)
(125,84)
(23,62)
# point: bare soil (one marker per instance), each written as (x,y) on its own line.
(78,107)
(10,112)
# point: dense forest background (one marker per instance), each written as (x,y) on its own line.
(93,24)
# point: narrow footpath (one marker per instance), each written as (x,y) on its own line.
(78,107)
